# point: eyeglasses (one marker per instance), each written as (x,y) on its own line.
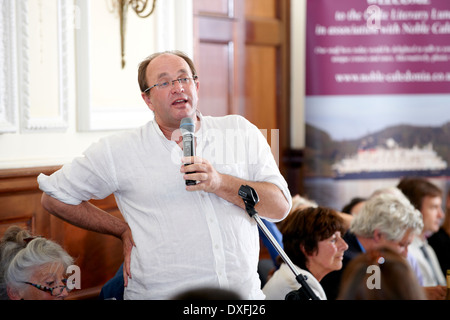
(54,291)
(163,85)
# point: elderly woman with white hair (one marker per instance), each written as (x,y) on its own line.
(32,268)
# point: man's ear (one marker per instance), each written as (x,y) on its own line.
(147,100)
(197,84)
(302,249)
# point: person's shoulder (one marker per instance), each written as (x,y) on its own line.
(230,120)
(228,117)
(122,139)
(131,133)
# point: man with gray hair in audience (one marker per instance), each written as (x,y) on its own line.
(427,198)
(385,220)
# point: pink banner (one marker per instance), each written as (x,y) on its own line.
(377,47)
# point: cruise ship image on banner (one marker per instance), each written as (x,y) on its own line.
(391,161)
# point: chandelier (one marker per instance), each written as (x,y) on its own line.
(140,7)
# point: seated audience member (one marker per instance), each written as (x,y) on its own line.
(267,267)
(32,268)
(379,274)
(440,241)
(411,259)
(385,220)
(113,289)
(354,206)
(312,240)
(268,255)
(391,190)
(299,202)
(427,198)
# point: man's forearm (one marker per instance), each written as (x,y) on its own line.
(86,216)
(272,202)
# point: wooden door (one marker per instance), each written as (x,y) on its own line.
(242,54)
(219,55)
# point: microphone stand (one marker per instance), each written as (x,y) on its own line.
(250,198)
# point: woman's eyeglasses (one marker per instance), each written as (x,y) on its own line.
(54,291)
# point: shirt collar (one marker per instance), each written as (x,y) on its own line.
(158,129)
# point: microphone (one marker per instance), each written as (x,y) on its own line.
(250,198)
(187,128)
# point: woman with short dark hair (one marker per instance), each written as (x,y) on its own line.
(312,240)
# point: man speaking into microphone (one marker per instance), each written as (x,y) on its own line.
(176,235)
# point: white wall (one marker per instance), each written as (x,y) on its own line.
(62,86)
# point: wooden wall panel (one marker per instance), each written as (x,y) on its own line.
(267,70)
(214,7)
(261,8)
(218,43)
(260,90)
(215,92)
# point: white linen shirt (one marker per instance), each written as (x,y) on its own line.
(183,239)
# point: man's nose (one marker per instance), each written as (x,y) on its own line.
(177,87)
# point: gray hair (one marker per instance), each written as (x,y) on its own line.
(388,213)
(20,253)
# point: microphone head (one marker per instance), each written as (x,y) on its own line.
(187,125)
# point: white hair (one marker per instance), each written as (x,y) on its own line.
(388,213)
(302,202)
